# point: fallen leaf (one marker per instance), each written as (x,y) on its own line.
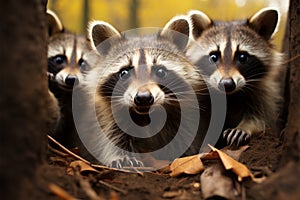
(172,194)
(217,184)
(60,192)
(114,195)
(186,165)
(213,155)
(230,164)
(83,167)
(235,154)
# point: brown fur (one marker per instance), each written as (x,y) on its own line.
(67,63)
(141,55)
(239,52)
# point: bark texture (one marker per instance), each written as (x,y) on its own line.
(24,96)
(284,184)
(291,152)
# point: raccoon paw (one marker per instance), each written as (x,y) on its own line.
(126,162)
(236,137)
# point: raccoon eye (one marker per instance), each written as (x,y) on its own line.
(243,57)
(161,72)
(82,63)
(214,57)
(60,59)
(124,74)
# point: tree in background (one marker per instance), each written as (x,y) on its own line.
(86,14)
(134,6)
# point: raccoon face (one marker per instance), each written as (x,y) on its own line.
(146,81)
(66,59)
(66,55)
(143,72)
(234,55)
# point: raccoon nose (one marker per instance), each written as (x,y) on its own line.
(70,80)
(227,84)
(144,98)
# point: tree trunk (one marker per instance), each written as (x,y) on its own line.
(291,136)
(86,15)
(284,184)
(24,95)
(133,13)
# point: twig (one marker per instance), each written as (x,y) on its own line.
(87,188)
(57,151)
(114,187)
(68,151)
(125,169)
(243,192)
(292,59)
(139,169)
(61,193)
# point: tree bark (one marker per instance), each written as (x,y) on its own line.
(284,184)
(291,151)
(24,95)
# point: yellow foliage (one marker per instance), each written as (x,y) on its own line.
(152,13)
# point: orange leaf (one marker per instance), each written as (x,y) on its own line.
(230,164)
(84,167)
(186,165)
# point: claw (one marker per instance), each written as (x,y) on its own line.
(241,139)
(126,162)
(236,137)
(231,137)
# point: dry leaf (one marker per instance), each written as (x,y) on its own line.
(172,194)
(230,164)
(59,192)
(210,156)
(187,165)
(83,167)
(114,195)
(217,184)
(235,154)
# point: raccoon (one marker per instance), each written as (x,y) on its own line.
(237,59)
(66,66)
(144,93)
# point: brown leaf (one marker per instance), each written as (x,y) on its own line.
(186,165)
(60,192)
(230,164)
(235,154)
(217,184)
(172,194)
(210,156)
(83,167)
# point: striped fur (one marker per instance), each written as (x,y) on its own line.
(67,64)
(237,58)
(148,66)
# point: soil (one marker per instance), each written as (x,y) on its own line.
(262,158)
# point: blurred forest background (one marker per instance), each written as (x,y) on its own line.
(128,14)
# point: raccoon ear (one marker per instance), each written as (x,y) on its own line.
(265,22)
(54,23)
(200,22)
(178,30)
(100,31)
